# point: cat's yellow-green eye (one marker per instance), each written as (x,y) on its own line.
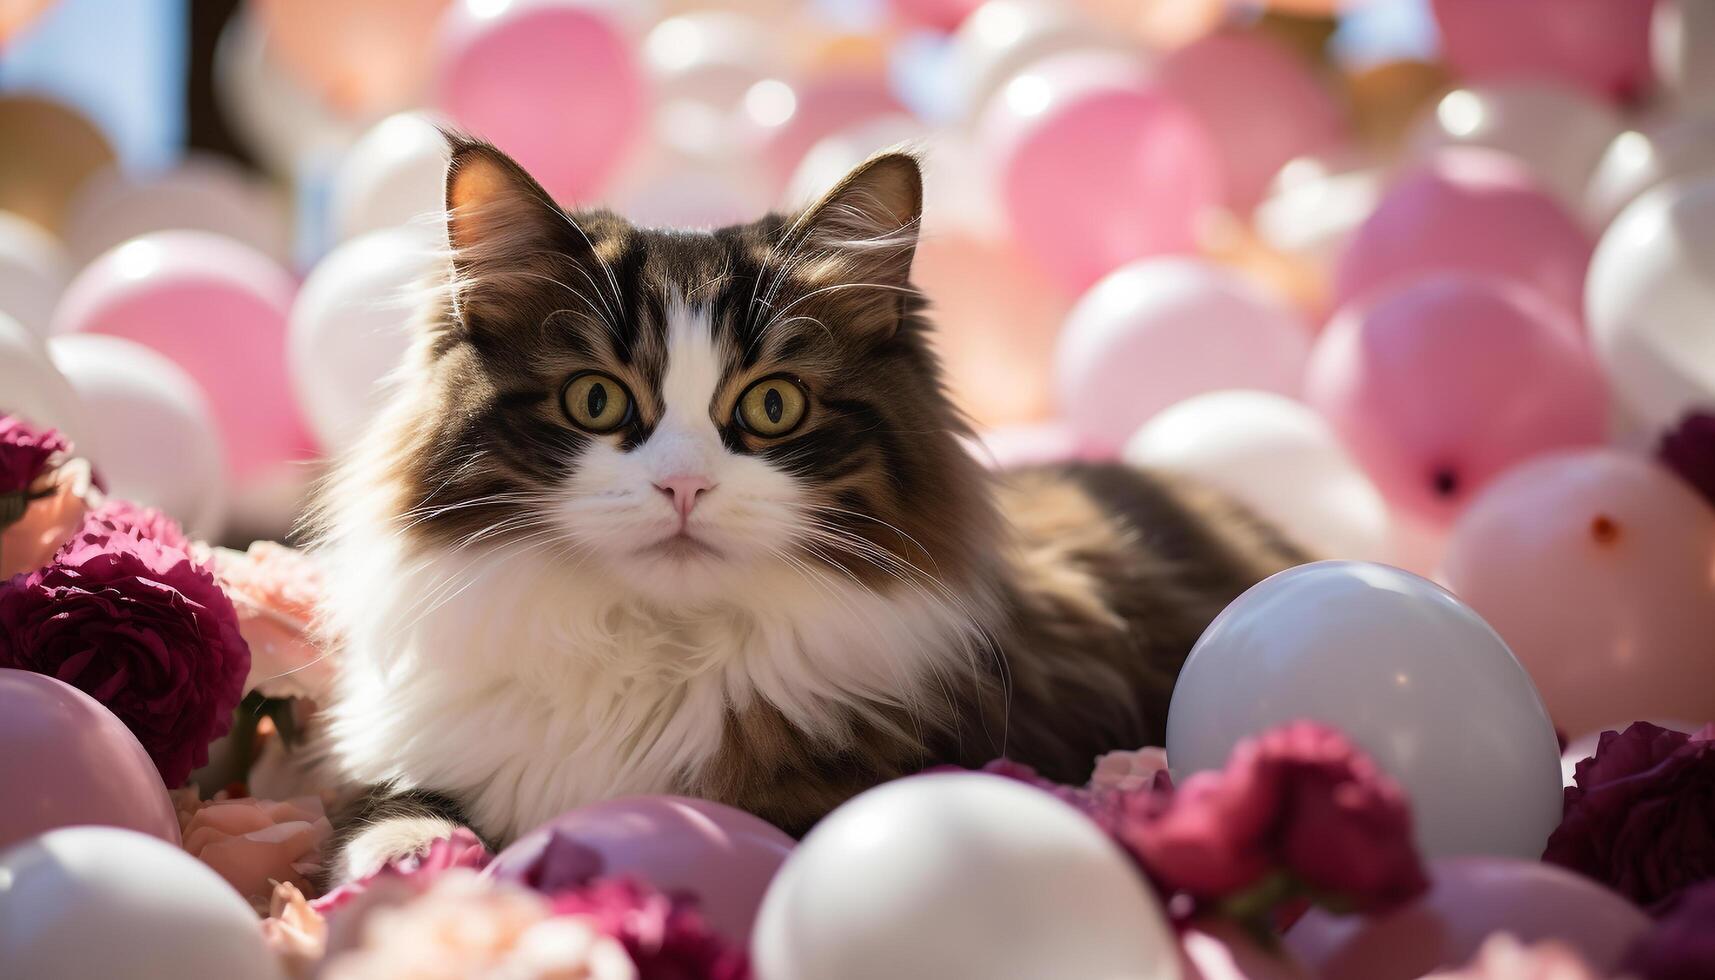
(596,402)
(772,407)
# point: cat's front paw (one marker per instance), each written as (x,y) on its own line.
(387,841)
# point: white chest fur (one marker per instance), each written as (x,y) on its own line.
(525,687)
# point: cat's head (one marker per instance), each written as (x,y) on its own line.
(678,411)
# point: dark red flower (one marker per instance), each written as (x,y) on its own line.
(24,452)
(141,627)
(1682,944)
(664,934)
(1641,815)
(1689,450)
(1299,800)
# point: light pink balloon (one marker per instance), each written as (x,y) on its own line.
(69,761)
(1602,46)
(1159,331)
(1438,386)
(1470,899)
(726,857)
(790,119)
(554,84)
(1259,101)
(1598,569)
(1096,166)
(216,308)
(942,15)
(1474,210)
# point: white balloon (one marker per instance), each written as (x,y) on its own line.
(83,902)
(1648,302)
(34,270)
(1640,160)
(1558,132)
(1160,330)
(1277,457)
(287,127)
(955,876)
(202,193)
(1315,205)
(34,390)
(160,445)
(1682,40)
(1409,672)
(710,56)
(350,328)
(1002,37)
(395,174)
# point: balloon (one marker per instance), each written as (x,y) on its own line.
(1160,24)
(1315,206)
(33,271)
(102,902)
(1441,384)
(216,308)
(1642,160)
(711,57)
(1387,99)
(34,390)
(1409,672)
(1560,133)
(955,876)
(396,174)
(1018,446)
(1096,167)
(834,156)
(501,63)
(1469,900)
(50,151)
(1682,43)
(1159,331)
(1259,102)
(996,321)
(724,856)
(1217,949)
(69,761)
(669,189)
(1278,458)
(1651,285)
(1002,37)
(290,130)
(360,56)
(15,15)
(1470,209)
(159,442)
(942,15)
(1624,549)
(203,193)
(1601,46)
(785,121)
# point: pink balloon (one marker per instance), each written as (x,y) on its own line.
(941,15)
(1596,568)
(1157,332)
(1259,102)
(1475,210)
(789,120)
(1438,386)
(555,85)
(1471,898)
(1602,46)
(69,761)
(724,856)
(218,309)
(1096,166)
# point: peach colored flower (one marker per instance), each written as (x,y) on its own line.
(48,522)
(296,933)
(1127,772)
(463,926)
(276,591)
(1503,957)
(253,843)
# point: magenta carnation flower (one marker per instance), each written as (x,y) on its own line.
(122,518)
(25,452)
(1638,818)
(664,934)
(141,627)
(460,849)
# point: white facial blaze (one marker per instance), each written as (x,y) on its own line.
(686,442)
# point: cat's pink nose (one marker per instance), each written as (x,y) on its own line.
(683,489)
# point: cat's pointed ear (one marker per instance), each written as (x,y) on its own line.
(865,228)
(500,222)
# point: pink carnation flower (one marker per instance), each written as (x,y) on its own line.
(277,591)
(460,850)
(255,843)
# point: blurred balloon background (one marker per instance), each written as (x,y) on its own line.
(1422,281)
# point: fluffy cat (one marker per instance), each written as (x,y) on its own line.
(691,512)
